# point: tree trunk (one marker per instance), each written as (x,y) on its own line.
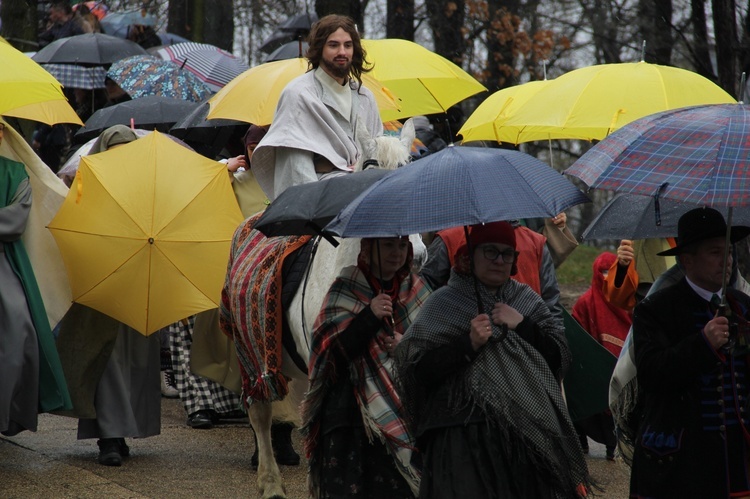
(19,20)
(219,24)
(354,9)
(725,30)
(501,31)
(400,19)
(198,19)
(700,55)
(745,51)
(179,19)
(447,21)
(605,27)
(656,30)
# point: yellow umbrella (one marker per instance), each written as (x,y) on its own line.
(145,232)
(28,91)
(253,95)
(426,82)
(488,119)
(590,103)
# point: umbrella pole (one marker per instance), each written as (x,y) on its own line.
(388,321)
(480,308)
(727,245)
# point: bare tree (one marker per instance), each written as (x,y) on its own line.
(19,24)
(354,9)
(446,19)
(655,18)
(400,19)
(727,43)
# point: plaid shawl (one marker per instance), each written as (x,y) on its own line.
(371,374)
(251,311)
(509,380)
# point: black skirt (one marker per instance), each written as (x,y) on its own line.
(352,466)
(469,461)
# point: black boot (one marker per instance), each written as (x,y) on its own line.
(281,440)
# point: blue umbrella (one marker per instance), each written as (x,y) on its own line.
(458,185)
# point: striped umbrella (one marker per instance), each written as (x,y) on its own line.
(213,66)
(141,76)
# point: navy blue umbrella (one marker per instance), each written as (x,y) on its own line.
(458,185)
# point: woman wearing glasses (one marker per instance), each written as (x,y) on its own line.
(480,372)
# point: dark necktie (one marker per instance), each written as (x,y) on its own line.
(715,302)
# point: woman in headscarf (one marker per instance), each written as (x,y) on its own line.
(113,371)
(356,438)
(609,325)
(479,373)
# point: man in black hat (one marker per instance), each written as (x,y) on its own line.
(693,380)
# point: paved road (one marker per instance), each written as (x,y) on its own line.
(179,463)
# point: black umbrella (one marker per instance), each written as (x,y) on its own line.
(300,22)
(305,209)
(291,29)
(630,216)
(211,134)
(91,48)
(289,50)
(148,113)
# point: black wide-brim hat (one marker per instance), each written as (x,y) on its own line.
(700,224)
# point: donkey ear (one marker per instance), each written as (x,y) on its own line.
(408,134)
(368,144)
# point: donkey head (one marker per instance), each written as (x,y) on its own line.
(386,151)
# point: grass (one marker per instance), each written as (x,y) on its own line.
(576,269)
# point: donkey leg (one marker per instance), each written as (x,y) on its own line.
(270,485)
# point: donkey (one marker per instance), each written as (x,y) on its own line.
(389,152)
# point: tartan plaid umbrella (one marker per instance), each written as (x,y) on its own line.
(144,75)
(75,76)
(698,154)
(458,185)
(90,48)
(213,66)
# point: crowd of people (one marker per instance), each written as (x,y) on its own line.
(439,382)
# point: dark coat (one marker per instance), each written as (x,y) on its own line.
(692,403)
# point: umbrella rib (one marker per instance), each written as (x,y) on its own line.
(180,271)
(109,274)
(433,95)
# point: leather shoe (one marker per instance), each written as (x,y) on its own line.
(110,451)
(200,420)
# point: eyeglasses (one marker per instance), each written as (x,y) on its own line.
(491,253)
